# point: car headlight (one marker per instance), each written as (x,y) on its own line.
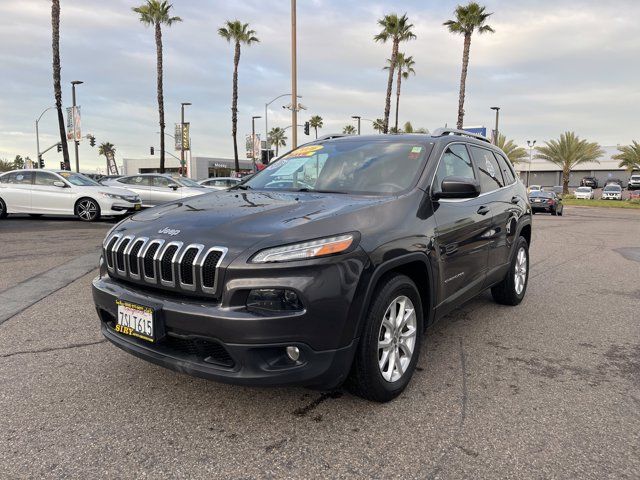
(305,250)
(127,198)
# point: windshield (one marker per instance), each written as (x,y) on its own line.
(583,189)
(78,179)
(353,166)
(187,182)
(541,193)
(612,188)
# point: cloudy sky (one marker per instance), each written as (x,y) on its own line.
(551,66)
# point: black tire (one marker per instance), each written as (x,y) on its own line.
(3,209)
(505,292)
(35,215)
(366,378)
(87,210)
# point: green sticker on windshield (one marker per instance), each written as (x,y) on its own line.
(416,149)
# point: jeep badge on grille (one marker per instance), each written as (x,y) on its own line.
(169,231)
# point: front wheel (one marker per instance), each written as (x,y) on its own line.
(87,210)
(390,344)
(511,290)
(3,209)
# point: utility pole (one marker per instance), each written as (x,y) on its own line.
(294,79)
(357,117)
(531,144)
(182,105)
(495,132)
(253,140)
(73,113)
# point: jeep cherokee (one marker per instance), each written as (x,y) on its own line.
(325,267)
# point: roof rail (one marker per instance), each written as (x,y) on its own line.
(441,132)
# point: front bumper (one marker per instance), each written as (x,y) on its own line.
(118,207)
(211,339)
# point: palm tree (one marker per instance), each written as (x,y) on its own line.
(397,29)
(514,153)
(278,138)
(378,125)
(567,152)
(156,13)
(108,150)
(238,33)
(629,157)
(349,130)
(404,65)
(57,89)
(468,19)
(316,122)
(5,165)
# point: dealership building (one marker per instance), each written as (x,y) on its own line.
(547,174)
(198,168)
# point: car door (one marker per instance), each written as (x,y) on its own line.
(497,184)
(138,184)
(462,233)
(15,190)
(160,192)
(49,198)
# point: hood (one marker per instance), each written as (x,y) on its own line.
(238,219)
(111,190)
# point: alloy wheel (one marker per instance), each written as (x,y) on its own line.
(520,274)
(87,210)
(397,338)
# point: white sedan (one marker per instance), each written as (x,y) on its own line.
(220,183)
(60,192)
(585,193)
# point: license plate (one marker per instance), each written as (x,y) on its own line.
(135,320)
(137,206)
(537,201)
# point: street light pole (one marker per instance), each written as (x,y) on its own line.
(253,139)
(182,105)
(266,116)
(294,79)
(531,144)
(495,132)
(357,117)
(38,134)
(73,112)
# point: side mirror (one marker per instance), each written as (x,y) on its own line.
(59,183)
(458,187)
(174,186)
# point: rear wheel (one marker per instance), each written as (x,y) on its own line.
(514,285)
(3,209)
(87,210)
(390,344)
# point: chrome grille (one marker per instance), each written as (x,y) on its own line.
(167,265)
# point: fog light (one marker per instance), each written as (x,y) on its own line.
(293,353)
(273,299)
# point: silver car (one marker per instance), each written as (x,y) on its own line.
(155,189)
(220,183)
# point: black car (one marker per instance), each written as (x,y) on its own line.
(325,267)
(544,201)
(589,182)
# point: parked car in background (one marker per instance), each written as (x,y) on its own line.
(557,189)
(106,178)
(589,182)
(548,202)
(220,183)
(60,192)
(612,192)
(634,182)
(584,193)
(614,181)
(534,188)
(155,189)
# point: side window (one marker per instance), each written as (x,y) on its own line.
(490,174)
(139,181)
(46,179)
(455,162)
(4,178)
(507,172)
(162,182)
(20,178)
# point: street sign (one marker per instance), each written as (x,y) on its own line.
(178,137)
(477,130)
(185,136)
(74,127)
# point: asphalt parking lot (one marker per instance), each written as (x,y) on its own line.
(549,389)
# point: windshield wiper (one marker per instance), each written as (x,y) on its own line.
(304,189)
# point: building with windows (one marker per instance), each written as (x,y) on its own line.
(198,168)
(547,174)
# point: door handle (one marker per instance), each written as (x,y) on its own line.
(515,200)
(483,210)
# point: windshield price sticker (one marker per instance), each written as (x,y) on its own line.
(304,151)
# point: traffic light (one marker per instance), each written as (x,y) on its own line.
(92,140)
(151,150)
(306,128)
(41,162)
(59,147)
